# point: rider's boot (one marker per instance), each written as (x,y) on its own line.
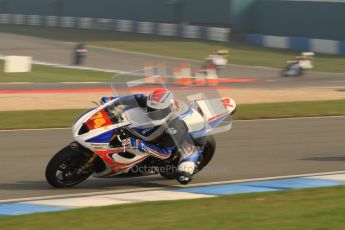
(184,178)
(187,165)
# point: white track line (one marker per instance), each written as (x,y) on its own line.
(266,178)
(80,195)
(122,198)
(172,187)
(199,61)
(74,67)
(253,67)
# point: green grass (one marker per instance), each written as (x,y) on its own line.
(240,53)
(38,118)
(290,109)
(65,118)
(322,208)
(42,73)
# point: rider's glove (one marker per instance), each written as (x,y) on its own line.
(130,142)
(107,99)
(134,142)
(104,100)
(184,177)
(114,104)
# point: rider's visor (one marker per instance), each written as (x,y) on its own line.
(158,114)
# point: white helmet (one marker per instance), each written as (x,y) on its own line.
(160,104)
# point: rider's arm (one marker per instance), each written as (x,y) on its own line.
(133,100)
(154,150)
(107,99)
(176,136)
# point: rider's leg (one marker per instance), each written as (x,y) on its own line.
(154,150)
(187,165)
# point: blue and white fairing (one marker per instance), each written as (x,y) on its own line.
(214,112)
(202,117)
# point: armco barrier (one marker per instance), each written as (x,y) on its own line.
(298,44)
(162,29)
(255,39)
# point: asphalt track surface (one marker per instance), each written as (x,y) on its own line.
(61,53)
(252,149)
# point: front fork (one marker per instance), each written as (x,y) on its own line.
(88,164)
(86,152)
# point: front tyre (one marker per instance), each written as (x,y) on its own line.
(65,169)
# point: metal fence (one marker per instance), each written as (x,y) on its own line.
(298,43)
(162,29)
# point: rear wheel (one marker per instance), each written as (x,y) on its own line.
(207,154)
(169,171)
(65,169)
(300,72)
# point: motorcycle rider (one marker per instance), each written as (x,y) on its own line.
(161,106)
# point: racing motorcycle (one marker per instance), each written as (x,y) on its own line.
(299,66)
(100,149)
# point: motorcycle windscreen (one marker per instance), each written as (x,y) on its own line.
(98,120)
(144,81)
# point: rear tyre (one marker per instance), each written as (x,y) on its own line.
(300,72)
(283,73)
(168,175)
(64,169)
(207,155)
(203,161)
(170,171)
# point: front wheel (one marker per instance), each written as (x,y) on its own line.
(65,169)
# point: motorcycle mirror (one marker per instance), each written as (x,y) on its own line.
(95,103)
